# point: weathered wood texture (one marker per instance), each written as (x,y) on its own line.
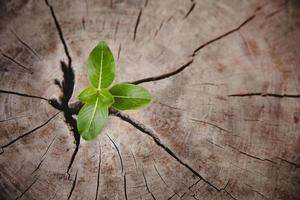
(225,125)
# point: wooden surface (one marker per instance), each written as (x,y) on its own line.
(224,123)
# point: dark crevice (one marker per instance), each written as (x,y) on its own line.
(190,10)
(125,186)
(67,88)
(163,76)
(23,95)
(172,196)
(136,168)
(147,187)
(265,95)
(251,156)
(29,132)
(137,24)
(160,175)
(27,189)
(156,139)
(159,28)
(17,63)
(181,68)
(209,123)
(73,186)
(44,155)
(260,194)
(226,191)
(119,154)
(119,51)
(289,162)
(25,44)
(194,184)
(214,143)
(222,36)
(60,33)
(99,171)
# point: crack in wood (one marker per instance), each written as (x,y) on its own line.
(73,186)
(249,155)
(160,175)
(28,133)
(137,24)
(43,157)
(23,94)
(209,123)
(26,190)
(157,140)
(67,88)
(181,68)
(289,162)
(147,187)
(190,10)
(119,51)
(25,44)
(164,76)
(118,151)
(60,32)
(265,95)
(17,63)
(98,174)
(125,186)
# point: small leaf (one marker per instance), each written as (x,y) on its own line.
(91,95)
(88,96)
(91,120)
(101,66)
(106,98)
(129,96)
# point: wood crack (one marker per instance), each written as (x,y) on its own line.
(60,32)
(137,24)
(265,95)
(44,155)
(73,186)
(181,68)
(190,10)
(17,63)
(27,189)
(98,174)
(209,123)
(29,132)
(156,139)
(289,162)
(164,76)
(25,44)
(146,183)
(118,151)
(125,186)
(67,88)
(23,95)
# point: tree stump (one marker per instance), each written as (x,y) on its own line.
(224,122)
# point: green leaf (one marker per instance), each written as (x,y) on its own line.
(129,96)
(101,66)
(106,98)
(91,120)
(91,95)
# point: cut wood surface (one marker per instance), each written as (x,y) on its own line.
(224,122)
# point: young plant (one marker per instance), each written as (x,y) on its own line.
(98,98)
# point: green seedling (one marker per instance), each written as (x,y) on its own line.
(98,98)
